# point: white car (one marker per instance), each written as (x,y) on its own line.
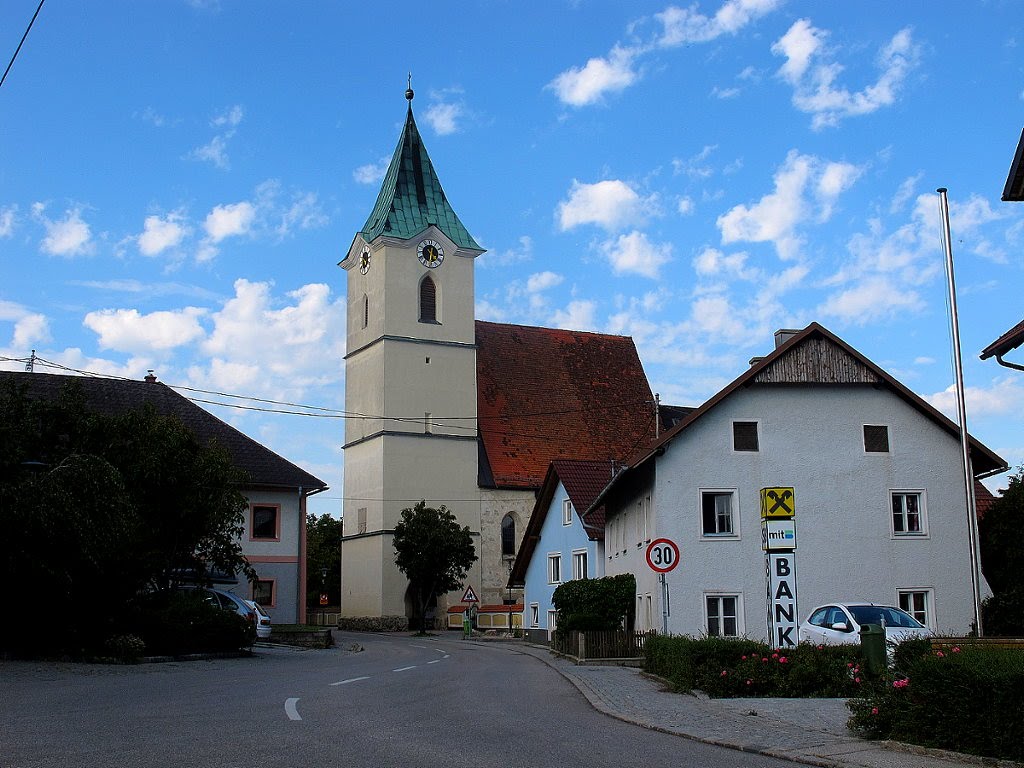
(263,628)
(839,623)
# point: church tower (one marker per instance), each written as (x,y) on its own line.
(410,375)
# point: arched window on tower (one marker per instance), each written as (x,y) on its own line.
(428,300)
(366,310)
(508,536)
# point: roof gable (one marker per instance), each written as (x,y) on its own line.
(411,198)
(1010,340)
(545,394)
(583,482)
(113,396)
(816,356)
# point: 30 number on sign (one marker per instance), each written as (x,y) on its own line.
(662,555)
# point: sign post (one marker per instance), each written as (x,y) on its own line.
(778,540)
(662,557)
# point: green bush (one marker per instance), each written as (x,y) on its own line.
(179,623)
(595,604)
(1003,613)
(966,700)
(724,668)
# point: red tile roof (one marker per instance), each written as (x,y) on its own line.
(545,393)
(1010,340)
(983,499)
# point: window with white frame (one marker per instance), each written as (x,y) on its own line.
(640,613)
(647,518)
(566,512)
(639,527)
(722,616)
(552,620)
(917,602)
(555,568)
(908,513)
(579,564)
(648,611)
(718,512)
(534,614)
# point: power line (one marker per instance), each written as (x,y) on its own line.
(18,50)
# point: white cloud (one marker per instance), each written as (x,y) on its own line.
(126,330)
(69,236)
(684,206)
(611,204)
(712,262)
(682,26)
(30,328)
(696,167)
(7,220)
(541,281)
(231,117)
(811,71)
(904,193)
(635,253)
(725,93)
(444,117)
(296,340)
(805,188)
(581,86)
(924,360)
(1003,398)
(159,234)
(229,220)
(870,300)
(215,151)
(302,211)
(371,173)
(578,315)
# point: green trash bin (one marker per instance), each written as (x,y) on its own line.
(872,643)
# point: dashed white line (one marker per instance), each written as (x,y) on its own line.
(290,710)
(434,661)
(402,669)
(419,646)
(351,680)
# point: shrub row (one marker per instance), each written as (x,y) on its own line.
(729,668)
(374,623)
(967,700)
(177,623)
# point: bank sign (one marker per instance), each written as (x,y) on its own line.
(778,534)
(782,616)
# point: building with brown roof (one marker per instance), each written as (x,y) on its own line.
(456,411)
(274,539)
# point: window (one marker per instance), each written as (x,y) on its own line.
(366,310)
(647,518)
(876,438)
(534,615)
(722,615)
(555,568)
(908,513)
(744,436)
(566,512)
(266,522)
(579,564)
(552,621)
(263,592)
(361,520)
(717,513)
(428,423)
(916,602)
(508,536)
(428,300)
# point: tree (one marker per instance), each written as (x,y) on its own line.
(323,554)
(595,604)
(96,509)
(433,552)
(1002,558)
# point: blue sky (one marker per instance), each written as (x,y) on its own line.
(178,181)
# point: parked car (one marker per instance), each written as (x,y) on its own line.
(263,628)
(228,601)
(839,623)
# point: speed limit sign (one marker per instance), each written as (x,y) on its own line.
(662,555)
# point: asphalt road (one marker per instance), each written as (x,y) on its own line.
(396,701)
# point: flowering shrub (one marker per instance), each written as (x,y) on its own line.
(967,700)
(735,668)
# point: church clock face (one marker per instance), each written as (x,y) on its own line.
(430,253)
(364,261)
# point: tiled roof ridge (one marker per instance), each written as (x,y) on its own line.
(548,329)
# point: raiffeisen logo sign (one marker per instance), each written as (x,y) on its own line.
(778,534)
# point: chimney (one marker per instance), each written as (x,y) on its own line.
(783,335)
(150,378)
(755,360)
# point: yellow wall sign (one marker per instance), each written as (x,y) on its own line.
(777,502)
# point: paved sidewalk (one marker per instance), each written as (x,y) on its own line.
(810,731)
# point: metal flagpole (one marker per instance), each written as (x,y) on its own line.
(961,412)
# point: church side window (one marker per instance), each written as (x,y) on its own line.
(366,310)
(508,536)
(428,300)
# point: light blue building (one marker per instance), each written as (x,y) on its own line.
(559,544)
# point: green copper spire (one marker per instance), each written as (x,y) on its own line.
(411,198)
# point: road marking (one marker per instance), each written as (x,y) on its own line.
(351,680)
(402,669)
(442,651)
(420,646)
(290,710)
(434,661)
